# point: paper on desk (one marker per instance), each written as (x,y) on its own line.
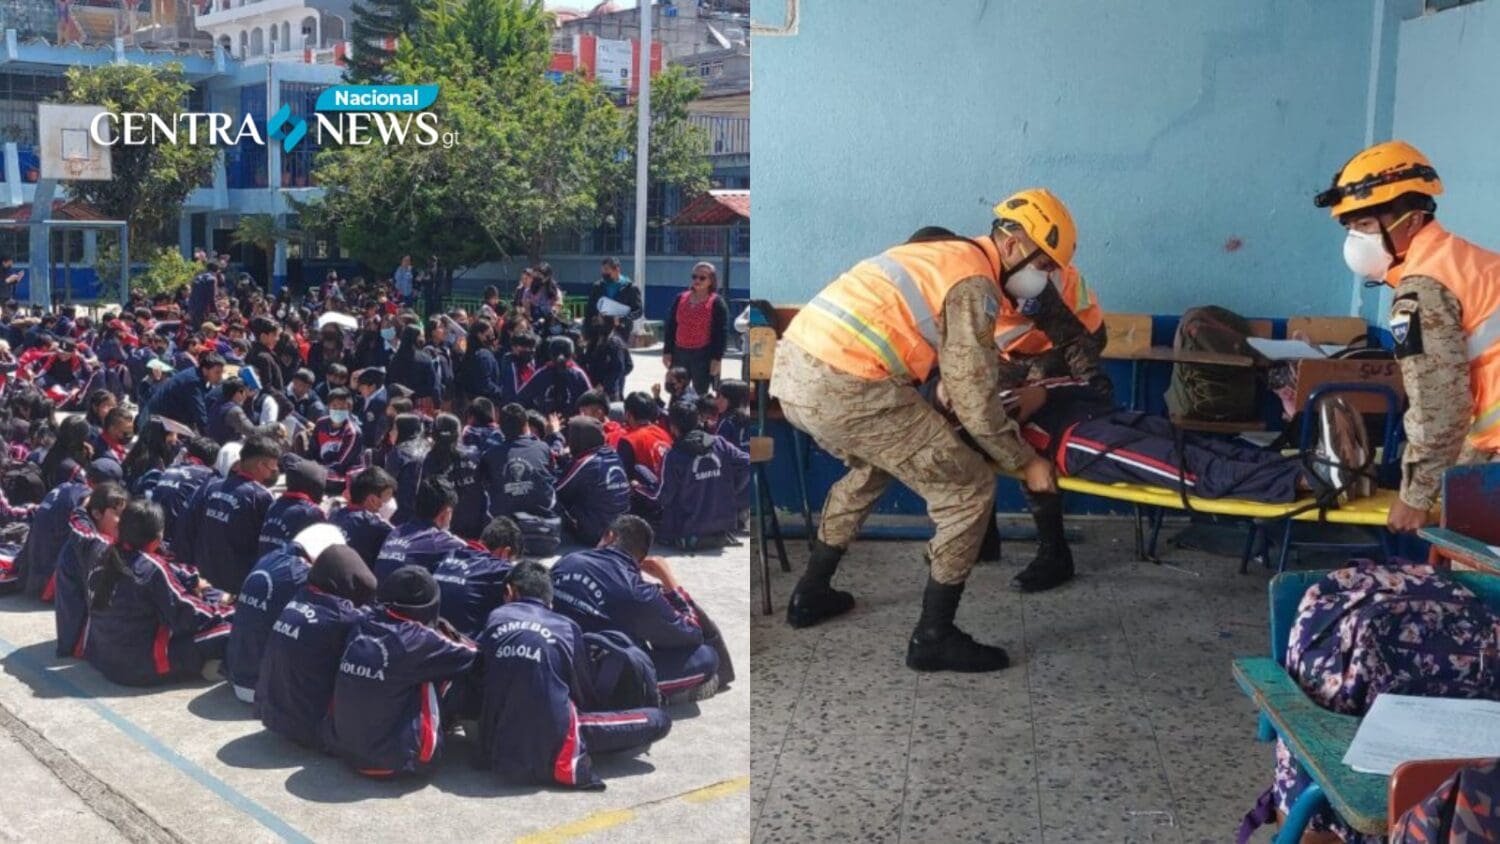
(1494,549)
(1291,349)
(1406,728)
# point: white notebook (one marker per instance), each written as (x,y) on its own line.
(1405,728)
(1292,349)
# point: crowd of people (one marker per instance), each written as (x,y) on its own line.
(342,509)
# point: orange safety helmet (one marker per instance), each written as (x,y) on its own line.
(1377,176)
(1045,220)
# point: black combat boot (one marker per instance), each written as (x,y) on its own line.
(937,645)
(989,550)
(1053,565)
(814,599)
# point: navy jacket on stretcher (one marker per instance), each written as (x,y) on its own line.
(300,664)
(156,628)
(536,676)
(286,517)
(221,531)
(80,554)
(416,543)
(264,592)
(386,714)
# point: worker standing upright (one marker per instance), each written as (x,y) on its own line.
(1445,317)
(848,372)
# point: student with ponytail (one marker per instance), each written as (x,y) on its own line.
(459,463)
(149,622)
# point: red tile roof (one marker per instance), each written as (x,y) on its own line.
(715,208)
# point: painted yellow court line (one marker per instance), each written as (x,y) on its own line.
(608,819)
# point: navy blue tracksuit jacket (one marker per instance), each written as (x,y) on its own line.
(416,543)
(386,714)
(602,589)
(364,531)
(174,491)
(531,727)
(265,591)
(593,493)
(555,389)
(49,530)
(184,398)
(79,556)
(155,628)
(286,517)
(221,532)
(704,485)
(472,585)
(471,514)
(300,663)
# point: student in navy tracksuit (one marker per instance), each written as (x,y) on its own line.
(37,560)
(184,396)
(517,366)
(473,581)
(149,623)
(733,398)
(365,520)
(305,401)
(603,589)
(176,486)
(704,484)
(221,531)
(458,463)
(277,575)
(533,727)
(425,539)
(516,444)
(386,717)
(306,641)
(372,420)
(90,532)
(595,489)
(404,462)
(337,441)
(556,387)
(298,507)
(481,431)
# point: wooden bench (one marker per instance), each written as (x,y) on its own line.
(1316,737)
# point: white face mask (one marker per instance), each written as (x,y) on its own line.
(1026,283)
(1365,254)
(388,509)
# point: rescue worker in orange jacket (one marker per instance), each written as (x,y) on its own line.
(848,371)
(1445,317)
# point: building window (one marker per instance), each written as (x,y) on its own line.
(297,165)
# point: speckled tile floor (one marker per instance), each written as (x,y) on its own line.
(1119,722)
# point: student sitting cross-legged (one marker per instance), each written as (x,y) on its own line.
(534,727)
(90,532)
(150,622)
(605,589)
(176,486)
(307,639)
(472,580)
(36,562)
(277,575)
(705,481)
(595,489)
(425,540)
(386,717)
(296,508)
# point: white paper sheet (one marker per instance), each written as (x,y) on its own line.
(1405,728)
(1288,349)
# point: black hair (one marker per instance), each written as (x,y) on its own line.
(537,423)
(612,262)
(149,451)
(72,438)
(141,524)
(306,376)
(512,421)
(340,394)
(642,407)
(481,412)
(408,427)
(371,481)
(502,532)
(684,418)
(231,388)
(679,374)
(371,377)
(258,447)
(209,361)
(524,339)
(736,392)
(336,369)
(594,398)
(633,535)
(531,580)
(203,449)
(434,494)
(446,430)
(560,349)
(116,415)
(95,400)
(105,496)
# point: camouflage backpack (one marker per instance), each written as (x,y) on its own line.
(1463,810)
(1203,391)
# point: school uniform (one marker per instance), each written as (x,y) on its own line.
(221,531)
(593,493)
(372,417)
(519,484)
(183,398)
(532,727)
(309,406)
(417,543)
(37,560)
(704,486)
(481,437)
(471,584)
(471,514)
(80,554)
(364,531)
(286,517)
(514,375)
(405,465)
(277,575)
(602,589)
(338,448)
(386,713)
(301,661)
(155,629)
(555,389)
(173,492)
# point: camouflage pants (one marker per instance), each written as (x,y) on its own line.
(884,430)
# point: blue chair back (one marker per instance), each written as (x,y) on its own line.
(1288,588)
(1471,501)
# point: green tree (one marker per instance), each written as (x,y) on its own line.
(152,180)
(679,147)
(260,231)
(373,22)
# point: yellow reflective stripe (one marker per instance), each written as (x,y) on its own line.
(1488,418)
(1083,294)
(1485,335)
(906,286)
(865,333)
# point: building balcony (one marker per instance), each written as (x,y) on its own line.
(220,12)
(726,135)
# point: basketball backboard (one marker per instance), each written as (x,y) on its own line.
(67,149)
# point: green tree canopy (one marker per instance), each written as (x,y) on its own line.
(373,22)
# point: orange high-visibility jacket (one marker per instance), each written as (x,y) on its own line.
(1472,274)
(880,318)
(1017,336)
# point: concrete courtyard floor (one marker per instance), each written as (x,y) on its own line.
(1118,720)
(85,760)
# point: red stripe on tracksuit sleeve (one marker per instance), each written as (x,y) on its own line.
(429,724)
(159,650)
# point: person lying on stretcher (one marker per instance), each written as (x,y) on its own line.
(1087,437)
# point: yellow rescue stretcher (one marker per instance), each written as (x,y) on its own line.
(1369,511)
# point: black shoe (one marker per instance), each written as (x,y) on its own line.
(1052,568)
(814,599)
(989,550)
(937,645)
(811,606)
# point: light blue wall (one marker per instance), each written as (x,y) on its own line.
(1172,129)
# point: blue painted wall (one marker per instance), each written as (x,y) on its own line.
(1175,131)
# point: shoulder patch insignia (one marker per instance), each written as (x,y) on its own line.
(1406,327)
